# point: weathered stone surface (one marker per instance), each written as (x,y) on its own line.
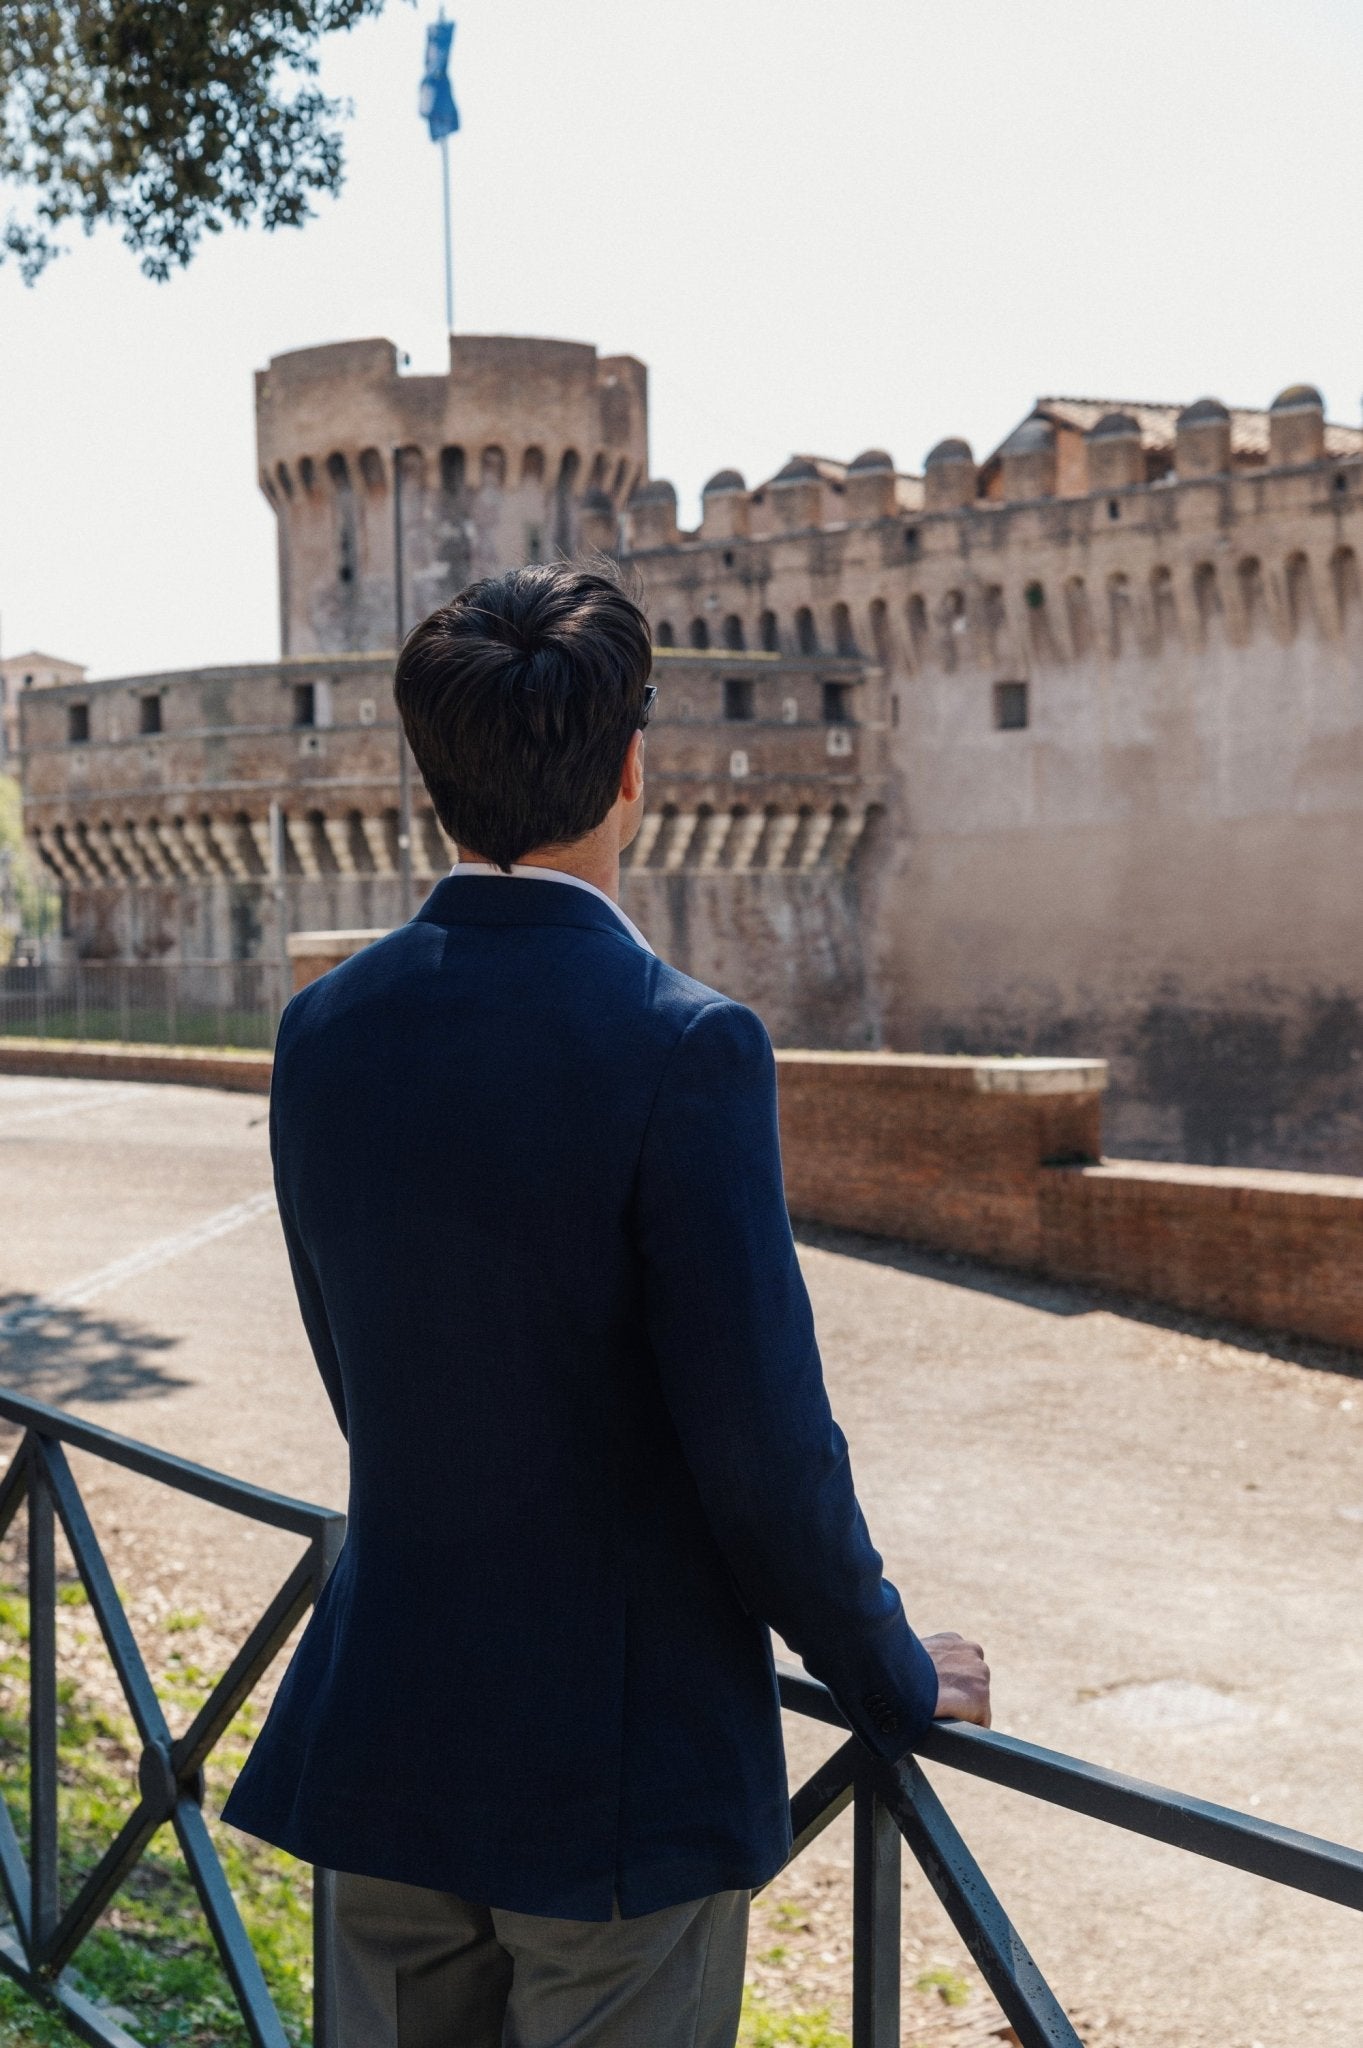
(1060,753)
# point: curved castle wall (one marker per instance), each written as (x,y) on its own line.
(1057,752)
(525,450)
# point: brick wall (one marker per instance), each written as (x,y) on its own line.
(313,954)
(1001,1159)
(245,1073)
(1279,1251)
(945,1151)
(997,1159)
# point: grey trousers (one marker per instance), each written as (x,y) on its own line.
(422,1969)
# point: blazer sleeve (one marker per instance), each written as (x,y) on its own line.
(733,1333)
(306,1284)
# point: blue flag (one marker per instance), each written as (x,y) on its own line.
(436,104)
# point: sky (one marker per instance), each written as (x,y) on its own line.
(824,227)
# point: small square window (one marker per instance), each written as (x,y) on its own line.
(305,704)
(1114,508)
(738,697)
(1010,706)
(77,724)
(837,703)
(149,712)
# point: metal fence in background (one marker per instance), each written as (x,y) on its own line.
(188,1002)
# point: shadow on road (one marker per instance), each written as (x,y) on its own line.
(75,1354)
(1057,1298)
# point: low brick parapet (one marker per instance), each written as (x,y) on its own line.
(996,1159)
(1000,1159)
(1278,1251)
(313,954)
(68,1059)
(946,1151)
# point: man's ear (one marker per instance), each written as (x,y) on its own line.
(632,774)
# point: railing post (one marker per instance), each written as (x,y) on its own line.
(324,2014)
(326,1548)
(875,1920)
(42,1711)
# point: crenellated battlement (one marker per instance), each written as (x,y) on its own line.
(523,450)
(1135,528)
(1056,750)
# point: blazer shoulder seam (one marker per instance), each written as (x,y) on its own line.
(717,1002)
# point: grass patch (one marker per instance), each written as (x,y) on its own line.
(950,1986)
(151,1957)
(764,2026)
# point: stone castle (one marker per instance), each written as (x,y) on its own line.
(1057,751)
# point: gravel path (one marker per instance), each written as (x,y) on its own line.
(1155,1527)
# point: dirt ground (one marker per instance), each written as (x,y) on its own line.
(1155,1527)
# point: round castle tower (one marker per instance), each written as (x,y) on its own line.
(524,450)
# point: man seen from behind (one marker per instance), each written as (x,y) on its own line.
(531,1190)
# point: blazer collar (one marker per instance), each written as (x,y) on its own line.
(495,900)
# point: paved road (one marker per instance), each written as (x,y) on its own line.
(1157,1530)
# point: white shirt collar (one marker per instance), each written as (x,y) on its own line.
(521,872)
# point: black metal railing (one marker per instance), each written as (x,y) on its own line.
(145,1002)
(47,1931)
(893,1804)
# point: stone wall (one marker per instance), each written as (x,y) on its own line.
(1159,865)
(1056,753)
(265,802)
(526,450)
(1124,756)
(791,945)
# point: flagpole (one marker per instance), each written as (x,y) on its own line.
(406,894)
(449,243)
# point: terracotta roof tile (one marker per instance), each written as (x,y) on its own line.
(1248,425)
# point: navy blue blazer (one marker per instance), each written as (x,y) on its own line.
(530,1182)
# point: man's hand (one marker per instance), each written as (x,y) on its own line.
(962,1679)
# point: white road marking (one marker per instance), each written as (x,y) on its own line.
(159,1253)
(69,1105)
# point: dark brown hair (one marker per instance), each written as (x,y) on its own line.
(519,699)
